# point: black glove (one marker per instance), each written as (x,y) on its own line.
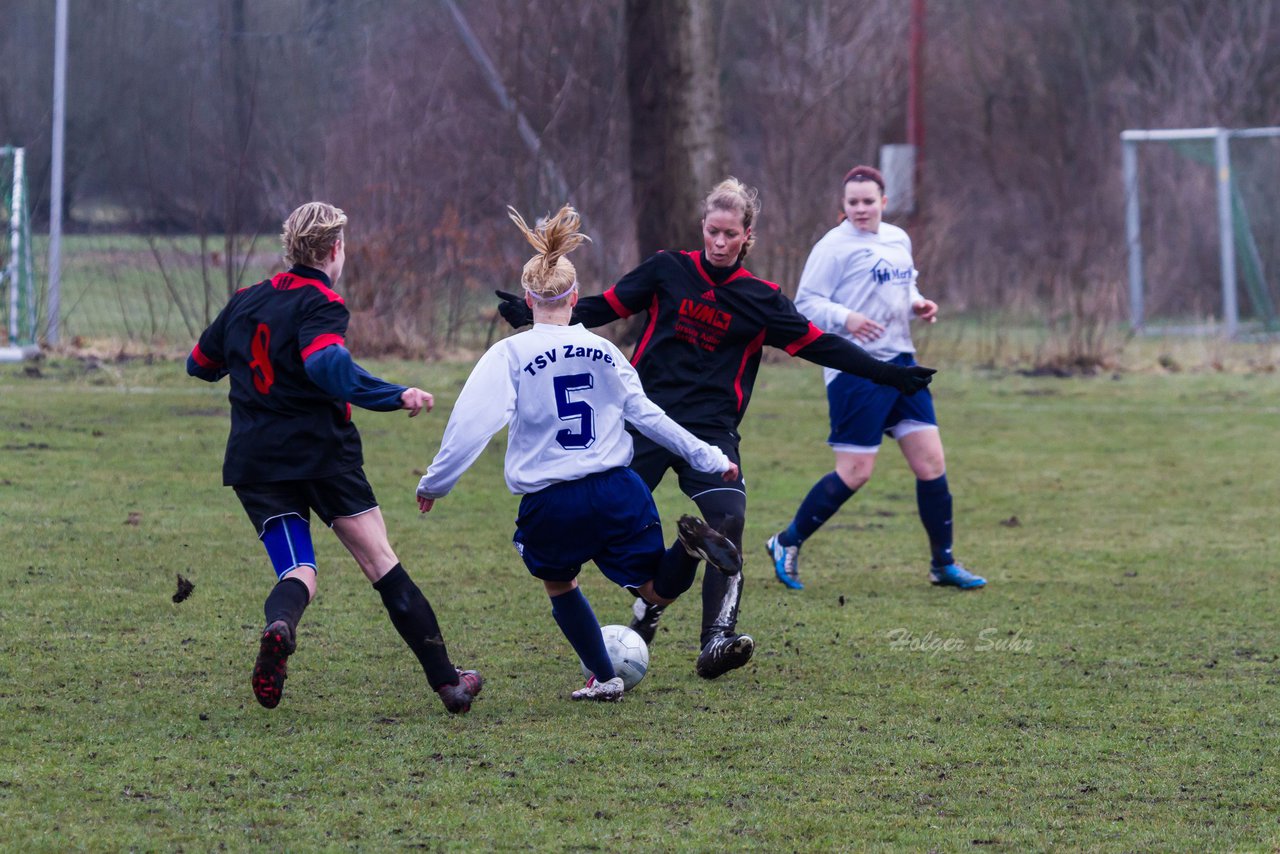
(514,310)
(909,380)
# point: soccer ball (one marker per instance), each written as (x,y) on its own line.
(627,651)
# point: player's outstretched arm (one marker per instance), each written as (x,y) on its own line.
(333,369)
(484,406)
(650,419)
(514,309)
(832,351)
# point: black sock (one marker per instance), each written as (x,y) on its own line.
(413,618)
(286,601)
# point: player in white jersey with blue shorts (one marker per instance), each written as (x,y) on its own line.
(860,282)
(567,395)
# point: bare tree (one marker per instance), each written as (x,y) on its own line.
(818,92)
(677,130)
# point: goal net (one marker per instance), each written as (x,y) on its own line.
(17,272)
(1203,230)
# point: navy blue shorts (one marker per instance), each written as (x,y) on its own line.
(332,497)
(862,412)
(609,518)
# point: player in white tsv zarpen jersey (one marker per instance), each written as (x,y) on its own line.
(567,394)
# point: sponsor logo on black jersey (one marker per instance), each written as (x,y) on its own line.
(702,325)
(705,314)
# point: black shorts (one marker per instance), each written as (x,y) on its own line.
(332,497)
(651,462)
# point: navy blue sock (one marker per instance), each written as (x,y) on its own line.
(933,497)
(578,622)
(822,502)
(675,572)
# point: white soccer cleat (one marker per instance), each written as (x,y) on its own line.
(605,692)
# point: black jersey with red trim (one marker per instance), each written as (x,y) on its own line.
(283,425)
(699,352)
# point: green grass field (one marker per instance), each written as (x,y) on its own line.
(1112,689)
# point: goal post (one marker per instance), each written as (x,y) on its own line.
(1239,258)
(17,270)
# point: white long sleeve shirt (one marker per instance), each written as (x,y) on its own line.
(566,393)
(871,273)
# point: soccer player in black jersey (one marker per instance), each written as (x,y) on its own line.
(293,448)
(698,355)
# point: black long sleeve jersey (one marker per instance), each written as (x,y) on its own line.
(283,425)
(699,353)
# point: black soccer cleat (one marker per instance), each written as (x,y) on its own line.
(458,696)
(644,620)
(724,653)
(271,668)
(703,541)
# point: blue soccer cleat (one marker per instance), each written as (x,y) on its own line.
(955,575)
(786,562)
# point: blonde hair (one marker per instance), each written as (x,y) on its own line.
(733,195)
(311,232)
(549,274)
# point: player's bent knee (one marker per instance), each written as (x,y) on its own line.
(929,470)
(559,588)
(853,481)
(648,593)
(287,540)
(854,475)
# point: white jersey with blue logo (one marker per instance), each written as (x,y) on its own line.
(566,393)
(871,273)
